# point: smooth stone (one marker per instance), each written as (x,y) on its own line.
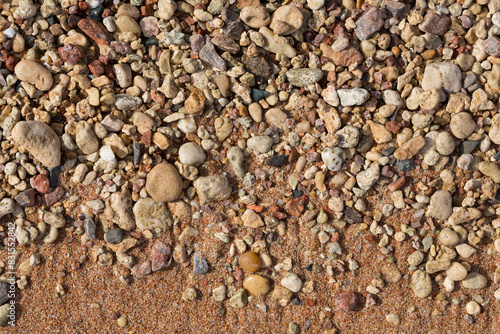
(474,281)
(353,96)
(239,299)
(456,272)
(448,237)
(40,140)
(262,144)
(85,138)
(34,73)
(333,158)
(445,144)
(462,125)
(249,261)
(286,20)
(257,285)
(163,183)
(191,154)
(440,206)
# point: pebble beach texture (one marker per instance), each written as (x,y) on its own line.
(241,166)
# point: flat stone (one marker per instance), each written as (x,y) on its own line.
(369,23)
(160,255)
(200,265)
(164,183)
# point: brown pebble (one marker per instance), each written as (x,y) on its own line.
(249,261)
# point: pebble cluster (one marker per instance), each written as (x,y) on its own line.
(125,123)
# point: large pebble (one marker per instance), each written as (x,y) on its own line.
(448,237)
(212,188)
(334,158)
(40,140)
(302,77)
(353,96)
(34,73)
(257,285)
(474,281)
(456,272)
(286,20)
(445,144)
(462,125)
(346,301)
(166,9)
(440,205)
(191,154)
(255,16)
(442,75)
(421,284)
(127,102)
(239,299)
(85,138)
(490,169)
(262,144)
(236,159)
(276,44)
(164,183)
(150,214)
(123,75)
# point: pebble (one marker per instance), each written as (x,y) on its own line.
(474,281)
(35,74)
(442,75)
(236,159)
(249,261)
(353,97)
(346,301)
(473,308)
(85,138)
(334,158)
(195,103)
(256,285)
(255,16)
(440,206)
(490,169)
(150,214)
(286,20)
(212,188)
(448,237)
(40,140)
(191,154)
(369,23)
(445,144)
(166,9)
(367,178)
(239,299)
(462,125)
(163,183)
(421,284)
(302,77)
(262,144)
(292,282)
(456,272)
(200,265)
(114,236)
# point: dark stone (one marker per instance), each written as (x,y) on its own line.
(197,42)
(309,267)
(226,44)
(296,301)
(51,20)
(114,236)
(277,161)
(405,165)
(469,146)
(73,20)
(258,66)
(96,13)
(54,176)
(4,292)
(90,228)
(26,198)
(137,154)
(352,216)
(234,30)
(200,265)
(54,196)
(435,24)
(258,94)
(150,42)
(297,193)
(160,254)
